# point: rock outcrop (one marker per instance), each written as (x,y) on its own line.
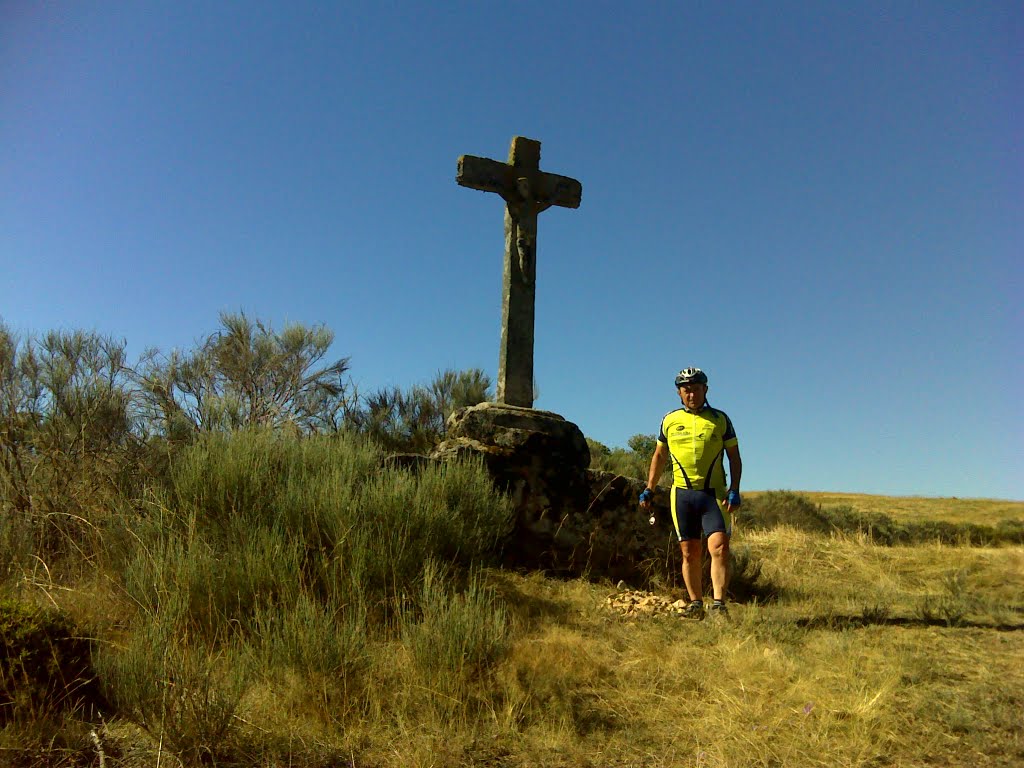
(569,519)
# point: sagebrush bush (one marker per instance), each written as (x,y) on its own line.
(45,664)
(298,553)
(746,582)
(774,508)
(634,461)
(255,522)
(327,649)
(184,693)
(17,545)
(453,637)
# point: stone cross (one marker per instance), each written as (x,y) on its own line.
(527,191)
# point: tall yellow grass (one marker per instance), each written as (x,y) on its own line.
(916,508)
(871,656)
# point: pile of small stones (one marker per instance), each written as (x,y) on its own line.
(635,603)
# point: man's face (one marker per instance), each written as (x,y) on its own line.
(693,395)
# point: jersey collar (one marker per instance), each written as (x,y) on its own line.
(700,410)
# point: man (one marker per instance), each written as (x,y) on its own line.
(695,437)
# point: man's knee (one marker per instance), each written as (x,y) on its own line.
(718,545)
(690,549)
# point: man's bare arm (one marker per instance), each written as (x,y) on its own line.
(735,467)
(657,465)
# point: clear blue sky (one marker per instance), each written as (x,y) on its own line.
(820,203)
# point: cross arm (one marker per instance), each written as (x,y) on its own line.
(488,175)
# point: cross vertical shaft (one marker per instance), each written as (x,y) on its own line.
(519,286)
(527,191)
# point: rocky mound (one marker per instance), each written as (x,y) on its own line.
(635,603)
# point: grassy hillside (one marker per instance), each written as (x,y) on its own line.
(915,508)
(205,560)
(277,602)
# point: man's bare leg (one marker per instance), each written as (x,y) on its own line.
(718,546)
(691,568)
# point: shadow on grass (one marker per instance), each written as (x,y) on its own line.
(840,622)
(529,604)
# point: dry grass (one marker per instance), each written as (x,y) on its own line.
(871,656)
(850,570)
(845,670)
(917,508)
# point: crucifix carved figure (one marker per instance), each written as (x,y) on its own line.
(527,191)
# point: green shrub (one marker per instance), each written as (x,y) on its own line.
(1010,531)
(415,420)
(221,585)
(880,528)
(71,446)
(453,637)
(634,461)
(774,508)
(185,696)
(17,545)
(245,374)
(254,522)
(45,664)
(883,529)
(316,642)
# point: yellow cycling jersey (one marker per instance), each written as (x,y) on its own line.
(696,442)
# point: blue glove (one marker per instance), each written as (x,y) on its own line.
(733,499)
(646,495)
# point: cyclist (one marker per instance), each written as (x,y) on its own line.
(695,438)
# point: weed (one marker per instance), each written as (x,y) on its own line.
(17,545)
(875,613)
(327,649)
(45,664)
(746,581)
(954,603)
(951,605)
(184,696)
(451,637)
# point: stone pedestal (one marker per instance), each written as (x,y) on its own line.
(569,519)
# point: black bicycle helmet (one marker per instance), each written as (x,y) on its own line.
(691,376)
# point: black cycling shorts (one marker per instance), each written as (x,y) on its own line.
(697,511)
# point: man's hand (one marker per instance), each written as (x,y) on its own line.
(733,501)
(646,495)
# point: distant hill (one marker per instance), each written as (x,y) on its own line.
(917,508)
